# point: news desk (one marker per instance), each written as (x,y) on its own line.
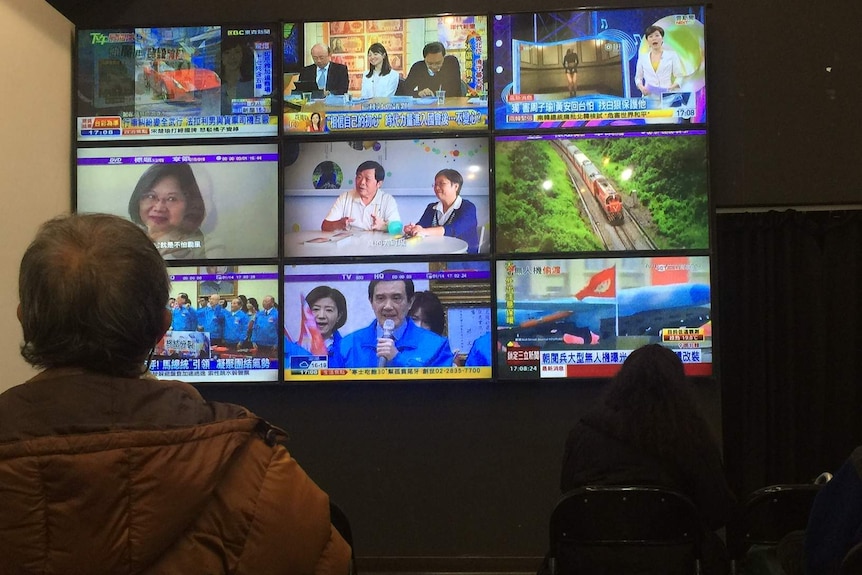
(363,243)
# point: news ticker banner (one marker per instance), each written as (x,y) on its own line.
(313,367)
(176,159)
(217,370)
(528,111)
(257,123)
(530,362)
(375,118)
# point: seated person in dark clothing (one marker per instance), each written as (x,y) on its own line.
(647,431)
(835,522)
(436,71)
(331,77)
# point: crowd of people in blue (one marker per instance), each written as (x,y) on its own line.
(239,325)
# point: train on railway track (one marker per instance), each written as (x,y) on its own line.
(599,187)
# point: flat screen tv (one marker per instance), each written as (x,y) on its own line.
(197,202)
(599,67)
(435,317)
(221,331)
(593,192)
(430,76)
(325,182)
(176,82)
(580,318)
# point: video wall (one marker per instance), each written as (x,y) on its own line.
(477,197)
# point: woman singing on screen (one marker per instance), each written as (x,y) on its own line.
(452,215)
(167,203)
(381,81)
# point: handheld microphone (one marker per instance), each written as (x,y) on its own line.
(388,328)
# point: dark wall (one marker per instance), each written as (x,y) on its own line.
(472,469)
(445,470)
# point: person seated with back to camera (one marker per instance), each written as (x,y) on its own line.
(392,339)
(105,469)
(436,71)
(835,522)
(453,215)
(647,430)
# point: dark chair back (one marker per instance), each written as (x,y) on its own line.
(767,516)
(852,563)
(339,520)
(631,529)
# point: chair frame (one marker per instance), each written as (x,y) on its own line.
(341,523)
(766,516)
(644,516)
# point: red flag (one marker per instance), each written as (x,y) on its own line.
(602,284)
(308,327)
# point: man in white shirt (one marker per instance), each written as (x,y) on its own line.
(366,207)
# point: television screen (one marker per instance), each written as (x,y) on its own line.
(197,202)
(599,67)
(621,191)
(176,82)
(428,196)
(415,74)
(582,317)
(225,326)
(387,321)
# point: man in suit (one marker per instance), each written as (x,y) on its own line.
(331,77)
(436,71)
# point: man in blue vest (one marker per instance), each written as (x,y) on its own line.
(213,320)
(264,335)
(235,325)
(183,317)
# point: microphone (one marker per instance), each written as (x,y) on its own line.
(388,327)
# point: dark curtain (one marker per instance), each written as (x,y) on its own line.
(789,336)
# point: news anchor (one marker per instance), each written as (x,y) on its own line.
(392,339)
(331,77)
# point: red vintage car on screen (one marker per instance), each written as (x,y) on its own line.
(179,80)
